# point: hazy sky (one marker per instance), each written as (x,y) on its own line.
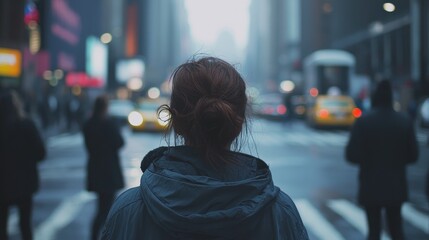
(208,18)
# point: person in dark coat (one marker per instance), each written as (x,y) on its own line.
(203,188)
(104,175)
(382,143)
(21,149)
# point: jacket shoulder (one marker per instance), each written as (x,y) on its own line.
(124,216)
(288,222)
(126,200)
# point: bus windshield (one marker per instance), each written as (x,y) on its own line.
(333,76)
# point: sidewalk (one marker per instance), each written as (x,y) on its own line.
(55,128)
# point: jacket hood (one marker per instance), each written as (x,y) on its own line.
(186,196)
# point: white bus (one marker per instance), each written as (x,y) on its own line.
(326,70)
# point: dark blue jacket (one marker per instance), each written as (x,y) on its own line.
(181,197)
(382,143)
(21,149)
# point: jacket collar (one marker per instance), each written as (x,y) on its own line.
(151,157)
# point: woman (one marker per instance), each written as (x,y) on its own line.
(104,175)
(382,143)
(21,148)
(201,189)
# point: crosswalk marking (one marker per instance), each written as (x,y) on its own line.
(306,137)
(312,218)
(415,217)
(296,138)
(62,216)
(12,225)
(353,214)
(315,222)
(65,140)
(422,137)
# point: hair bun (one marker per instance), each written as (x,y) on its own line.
(216,117)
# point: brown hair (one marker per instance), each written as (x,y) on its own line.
(208,106)
(100,106)
(383,96)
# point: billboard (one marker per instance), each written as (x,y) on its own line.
(10,62)
(96,59)
(81,79)
(129,68)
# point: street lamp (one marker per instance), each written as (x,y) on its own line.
(389,7)
(287,86)
(135,83)
(106,38)
(153,93)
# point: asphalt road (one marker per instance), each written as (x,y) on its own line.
(307,164)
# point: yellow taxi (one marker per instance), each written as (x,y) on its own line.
(335,111)
(146,116)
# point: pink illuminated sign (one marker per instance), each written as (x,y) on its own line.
(83,80)
(66,24)
(65,34)
(62,10)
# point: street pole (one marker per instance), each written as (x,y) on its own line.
(415,44)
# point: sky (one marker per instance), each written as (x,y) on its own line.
(208,18)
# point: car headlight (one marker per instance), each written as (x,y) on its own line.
(163,118)
(135,118)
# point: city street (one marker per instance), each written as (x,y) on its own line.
(63,62)
(307,164)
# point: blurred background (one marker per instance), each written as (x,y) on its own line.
(60,50)
(310,67)
(62,53)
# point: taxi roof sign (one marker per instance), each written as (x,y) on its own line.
(10,62)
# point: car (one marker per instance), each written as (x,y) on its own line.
(270,106)
(333,111)
(119,109)
(147,117)
(298,106)
(423,114)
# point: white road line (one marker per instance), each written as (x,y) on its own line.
(315,222)
(12,224)
(62,216)
(336,138)
(353,214)
(416,218)
(422,138)
(264,139)
(297,138)
(322,139)
(66,140)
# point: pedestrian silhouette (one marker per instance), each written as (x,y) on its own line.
(382,143)
(202,188)
(21,148)
(104,175)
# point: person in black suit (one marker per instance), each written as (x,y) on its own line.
(382,143)
(21,149)
(103,140)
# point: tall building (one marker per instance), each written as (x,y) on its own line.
(259,65)
(273,45)
(388,38)
(157,32)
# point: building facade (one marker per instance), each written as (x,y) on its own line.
(388,42)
